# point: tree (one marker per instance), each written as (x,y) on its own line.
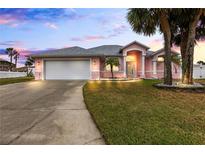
(29,62)
(201,62)
(147,21)
(176,59)
(186,31)
(112,61)
(16,57)
(10,52)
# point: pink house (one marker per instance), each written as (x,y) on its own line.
(73,63)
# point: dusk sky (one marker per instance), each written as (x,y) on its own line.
(33,30)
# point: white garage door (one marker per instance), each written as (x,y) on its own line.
(71,70)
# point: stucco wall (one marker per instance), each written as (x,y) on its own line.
(107,74)
(95,68)
(38,69)
(160,69)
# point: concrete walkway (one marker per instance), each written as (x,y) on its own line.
(46,112)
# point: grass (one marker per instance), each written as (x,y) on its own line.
(14,80)
(138,113)
(202,81)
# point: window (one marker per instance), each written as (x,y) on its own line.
(115,68)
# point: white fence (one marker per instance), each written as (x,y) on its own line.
(199,72)
(4,74)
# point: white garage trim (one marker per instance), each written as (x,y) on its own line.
(67,69)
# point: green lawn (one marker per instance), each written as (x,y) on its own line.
(15,80)
(138,113)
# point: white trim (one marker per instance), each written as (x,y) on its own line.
(90,68)
(143,65)
(43,70)
(132,49)
(63,59)
(125,66)
(154,67)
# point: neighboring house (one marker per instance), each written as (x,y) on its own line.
(24,69)
(5,65)
(199,71)
(79,63)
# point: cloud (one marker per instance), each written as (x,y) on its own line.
(4,21)
(88,38)
(51,25)
(156,44)
(11,43)
(199,53)
(11,16)
(116,31)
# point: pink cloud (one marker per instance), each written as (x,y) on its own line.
(94,38)
(156,44)
(117,30)
(4,21)
(8,20)
(88,38)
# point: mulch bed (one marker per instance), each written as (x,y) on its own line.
(197,89)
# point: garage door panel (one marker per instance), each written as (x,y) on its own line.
(62,70)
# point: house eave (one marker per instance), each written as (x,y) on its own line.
(73,56)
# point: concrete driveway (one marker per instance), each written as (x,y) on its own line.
(46,112)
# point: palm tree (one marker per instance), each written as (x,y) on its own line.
(10,52)
(29,62)
(16,56)
(112,61)
(147,21)
(187,29)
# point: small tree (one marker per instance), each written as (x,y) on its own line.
(10,52)
(16,57)
(176,59)
(112,61)
(29,62)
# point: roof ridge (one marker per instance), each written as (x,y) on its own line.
(105,45)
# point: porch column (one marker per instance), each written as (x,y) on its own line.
(143,65)
(154,65)
(124,66)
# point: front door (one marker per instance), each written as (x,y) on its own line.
(131,72)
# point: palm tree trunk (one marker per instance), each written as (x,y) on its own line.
(187,62)
(187,50)
(11,60)
(16,62)
(167,47)
(111,67)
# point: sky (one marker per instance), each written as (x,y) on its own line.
(32,31)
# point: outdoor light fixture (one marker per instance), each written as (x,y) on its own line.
(130,58)
(94,62)
(38,63)
(160,59)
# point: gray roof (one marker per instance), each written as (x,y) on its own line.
(72,51)
(104,50)
(138,43)
(3,60)
(152,53)
(149,53)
